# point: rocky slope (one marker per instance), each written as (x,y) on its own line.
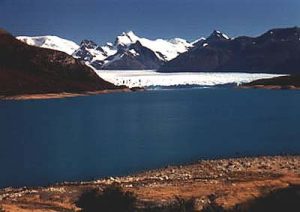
(276,51)
(26,69)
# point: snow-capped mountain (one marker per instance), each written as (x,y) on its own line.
(275,51)
(93,54)
(164,49)
(217,35)
(130,51)
(134,56)
(50,42)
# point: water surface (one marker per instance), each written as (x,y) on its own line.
(83,138)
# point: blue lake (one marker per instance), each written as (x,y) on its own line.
(84,138)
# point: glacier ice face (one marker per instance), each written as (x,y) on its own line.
(150,78)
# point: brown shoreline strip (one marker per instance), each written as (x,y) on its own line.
(231,181)
(61,95)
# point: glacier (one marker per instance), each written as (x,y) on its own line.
(151,78)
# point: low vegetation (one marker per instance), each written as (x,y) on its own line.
(112,199)
(179,205)
(287,199)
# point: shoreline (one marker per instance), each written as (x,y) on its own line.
(290,82)
(44,96)
(270,87)
(62,94)
(232,181)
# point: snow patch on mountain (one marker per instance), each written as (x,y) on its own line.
(220,34)
(109,49)
(165,50)
(125,39)
(198,40)
(50,42)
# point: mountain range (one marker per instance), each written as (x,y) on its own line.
(127,52)
(276,51)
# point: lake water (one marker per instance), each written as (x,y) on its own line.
(83,138)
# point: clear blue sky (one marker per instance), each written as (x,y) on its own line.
(102,20)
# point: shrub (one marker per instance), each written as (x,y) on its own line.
(184,205)
(112,199)
(212,206)
(286,199)
(179,205)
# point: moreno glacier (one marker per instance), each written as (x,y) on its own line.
(151,78)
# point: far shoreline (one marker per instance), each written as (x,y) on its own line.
(61,95)
(290,82)
(270,87)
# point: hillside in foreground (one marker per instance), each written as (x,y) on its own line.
(27,69)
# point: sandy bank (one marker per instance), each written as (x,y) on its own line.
(61,95)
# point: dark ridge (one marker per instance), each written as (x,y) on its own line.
(283,82)
(27,69)
(276,51)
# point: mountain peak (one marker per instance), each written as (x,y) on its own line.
(126,38)
(88,44)
(131,34)
(217,35)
